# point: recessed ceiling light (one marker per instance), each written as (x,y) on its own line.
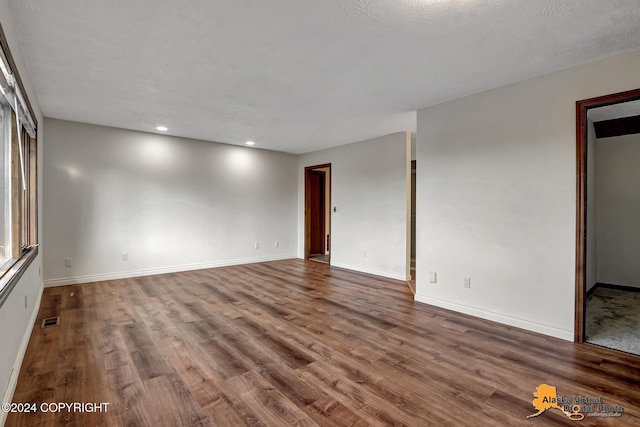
(162,128)
(250,143)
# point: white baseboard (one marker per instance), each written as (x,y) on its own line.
(161,270)
(13,380)
(500,318)
(396,276)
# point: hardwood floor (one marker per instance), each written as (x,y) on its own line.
(297,343)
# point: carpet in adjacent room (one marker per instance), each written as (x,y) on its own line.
(613,319)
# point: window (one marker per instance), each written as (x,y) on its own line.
(5,180)
(18,175)
(29,237)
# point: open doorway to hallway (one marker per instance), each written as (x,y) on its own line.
(318,213)
(412,269)
(608,238)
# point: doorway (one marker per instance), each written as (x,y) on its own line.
(413,221)
(585,211)
(317,205)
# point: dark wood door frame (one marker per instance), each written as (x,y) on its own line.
(318,212)
(582,107)
(307,204)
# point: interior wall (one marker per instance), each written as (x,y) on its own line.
(368,187)
(497,196)
(592,212)
(16,318)
(170,203)
(618,204)
(413,145)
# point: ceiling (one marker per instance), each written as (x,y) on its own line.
(298,75)
(614,111)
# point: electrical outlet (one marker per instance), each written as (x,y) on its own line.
(467,282)
(364,253)
(26,301)
(433,277)
(125,256)
(276,244)
(67,262)
(257,245)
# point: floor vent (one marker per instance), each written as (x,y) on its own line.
(50,321)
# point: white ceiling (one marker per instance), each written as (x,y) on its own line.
(298,75)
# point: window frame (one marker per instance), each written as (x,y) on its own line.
(23,193)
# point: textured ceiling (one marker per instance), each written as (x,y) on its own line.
(298,75)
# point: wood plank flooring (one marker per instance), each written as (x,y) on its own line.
(297,343)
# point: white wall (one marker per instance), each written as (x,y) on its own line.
(592,212)
(16,321)
(497,196)
(618,217)
(413,146)
(170,203)
(368,185)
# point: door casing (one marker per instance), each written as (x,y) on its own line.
(308,204)
(582,107)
